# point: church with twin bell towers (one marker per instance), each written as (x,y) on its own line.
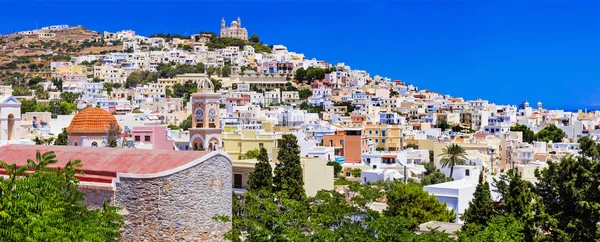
(234,30)
(205,133)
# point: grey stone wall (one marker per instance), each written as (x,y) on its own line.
(178,207)
(94,197)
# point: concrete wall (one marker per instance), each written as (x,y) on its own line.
(178,207)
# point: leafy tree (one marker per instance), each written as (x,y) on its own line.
(28,105)
(21,91)
(211,70)
(45,204)
(337,168)
(254,38)
(63,138)
(433,175)
(96,80)
(550,133)
(444,125)
(226,70)
(58,83)
(517,200)
(252,154)
(414,146)
(300,74)
(288,172)
(497,229)
(69,97)
(453,155)
(481,208)
(570,195)
(186,124)
(528,134)
(356,172)
(305,93)
(217,83)
(200,67)
(589,147)
(411,201)
(262,177)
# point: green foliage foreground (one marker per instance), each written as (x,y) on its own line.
(42,204)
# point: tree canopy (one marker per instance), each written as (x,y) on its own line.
(550,133)
(528,135)
(45,204)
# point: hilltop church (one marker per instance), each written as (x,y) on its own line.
(235,30)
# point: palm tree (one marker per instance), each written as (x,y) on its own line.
(453,155)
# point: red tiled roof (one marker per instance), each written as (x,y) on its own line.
(101,164)
(92,119)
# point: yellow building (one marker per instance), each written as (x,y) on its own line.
(238,143)
(384,135)
(71,70)
(317,175)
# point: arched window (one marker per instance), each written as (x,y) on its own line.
(94,144)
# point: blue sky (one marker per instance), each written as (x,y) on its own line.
(504,51)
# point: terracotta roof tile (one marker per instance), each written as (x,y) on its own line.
(92,119)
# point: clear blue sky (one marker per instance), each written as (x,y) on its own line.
(504,51)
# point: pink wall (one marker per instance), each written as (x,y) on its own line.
(158,136)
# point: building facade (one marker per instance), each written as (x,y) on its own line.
(234,30)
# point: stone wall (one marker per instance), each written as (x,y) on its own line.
(178,207)
(94,197)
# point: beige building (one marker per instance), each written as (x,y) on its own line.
(234,30)
(317,175)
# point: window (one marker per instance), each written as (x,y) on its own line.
(137,138)
(94,144)
(341,142)
(376,140)
(75,143)
(147,138)
(376,131)
(347,173)
(383,133)
(383,141)
(467,172)
(261,145)
(370,131)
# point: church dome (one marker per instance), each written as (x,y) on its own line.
(92,119)
(233,22)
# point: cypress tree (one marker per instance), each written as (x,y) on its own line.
(481,208)
(288,172)
(262,177)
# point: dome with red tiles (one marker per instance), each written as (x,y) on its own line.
(92,119)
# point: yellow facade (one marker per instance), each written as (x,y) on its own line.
(71,70)
(317,175)
(237,144)
(385,135)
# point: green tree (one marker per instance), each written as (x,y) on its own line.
(200,67)
(528,134)
(411,201)
(114,133)
(288,172)
(481,208)
(497,229)
(186,124)
(21,91)
(58,83)
(133,79)
(453,155)
(305,93)
(226,70)
(443,125)
(433,175)
(69,97)
(550,133)
(300,75)
(337,168)
(28,105)
(254,38)
(414,146)
(262,177)
(570,195)
(63,138)
(252,154)
(45,204)
(356,172)
(589,147)
(211,70)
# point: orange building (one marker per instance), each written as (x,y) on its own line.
(349,143)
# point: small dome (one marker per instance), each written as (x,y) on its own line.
(92,119)
(233,22)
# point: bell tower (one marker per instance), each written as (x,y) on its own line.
(205,133)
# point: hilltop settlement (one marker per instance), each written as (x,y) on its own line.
(167,127)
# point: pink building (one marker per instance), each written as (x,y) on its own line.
(151,137)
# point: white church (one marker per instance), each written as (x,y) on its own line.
(10,121)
